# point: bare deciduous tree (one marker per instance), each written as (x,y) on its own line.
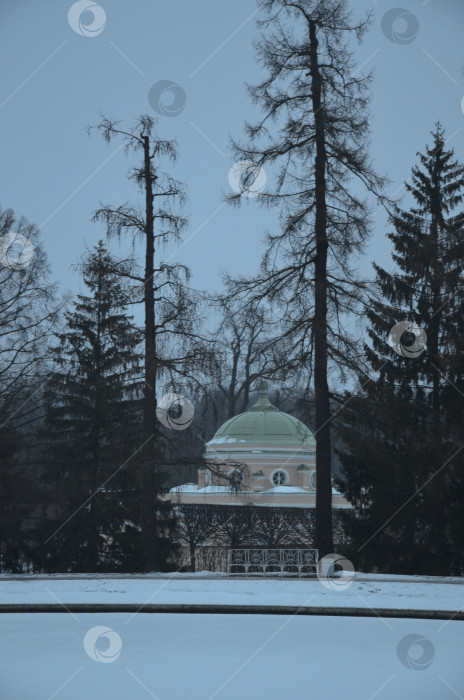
(171,345)
(196,522)
(247,352)
(29,312)
(314,135)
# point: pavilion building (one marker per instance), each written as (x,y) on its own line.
(262,457)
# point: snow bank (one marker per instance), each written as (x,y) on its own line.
(375,591)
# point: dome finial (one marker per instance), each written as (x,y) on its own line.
(263,403)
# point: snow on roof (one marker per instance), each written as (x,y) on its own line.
(193,488)
(223,440)
(184,488)
(216,489)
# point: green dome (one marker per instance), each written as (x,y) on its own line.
(263,423)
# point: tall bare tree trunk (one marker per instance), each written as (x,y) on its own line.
(163,189)
(148,490)
(324,537)
(320,109)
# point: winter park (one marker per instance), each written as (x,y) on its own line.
(232,350)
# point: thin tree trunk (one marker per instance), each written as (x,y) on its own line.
(193,562)
(324,538)
(148,485)
(438,494)
(232,386)
(434,326)
(92,543)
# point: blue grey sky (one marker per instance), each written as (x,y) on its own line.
(55,82)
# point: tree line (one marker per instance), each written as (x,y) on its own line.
(85,459)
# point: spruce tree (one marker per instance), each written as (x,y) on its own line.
(92,428)
(402,466)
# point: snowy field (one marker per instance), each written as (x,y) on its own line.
(136,655)
(364,591)
(228,657)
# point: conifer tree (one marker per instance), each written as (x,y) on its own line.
(403,468)
(92,427)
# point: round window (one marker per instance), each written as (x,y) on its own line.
(279,478)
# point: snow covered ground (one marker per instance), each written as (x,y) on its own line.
(228,657)
(166,656)
(364,591)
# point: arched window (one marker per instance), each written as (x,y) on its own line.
(279,477)
(312,480)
